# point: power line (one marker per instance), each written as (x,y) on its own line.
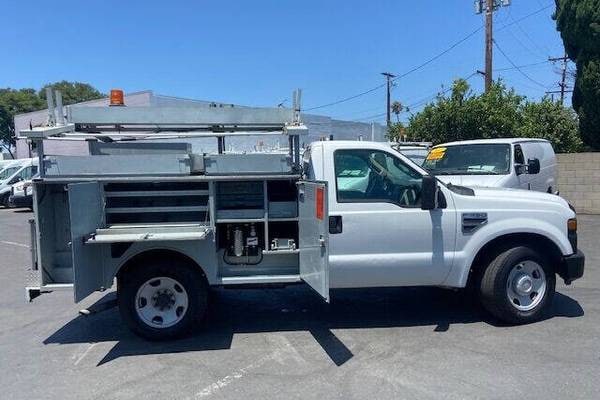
(544,50)
(429,61)
(516,66)
(516,21)
(333,103)
(440,54)
(521,66)
(373,89)
(416,103)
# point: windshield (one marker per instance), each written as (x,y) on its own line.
(415,155)
(469,159)
(8,172)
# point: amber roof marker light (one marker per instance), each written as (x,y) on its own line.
(116,97)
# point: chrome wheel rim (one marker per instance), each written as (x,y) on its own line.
(526,285)
(161,302)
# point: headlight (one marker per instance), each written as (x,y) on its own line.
(572,232)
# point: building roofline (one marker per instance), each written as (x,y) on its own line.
(88,101)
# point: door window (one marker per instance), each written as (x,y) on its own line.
(27,173)
(519,157)
(367,176)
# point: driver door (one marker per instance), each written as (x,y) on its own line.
(519,162)
(379,236)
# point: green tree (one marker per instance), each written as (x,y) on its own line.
(15,101)
(499,113)
(551,121)
(18,101)
(73,92)
(396,132)
(579,24)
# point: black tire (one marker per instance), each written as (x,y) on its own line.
(494,281)
(188,276)
(4,200)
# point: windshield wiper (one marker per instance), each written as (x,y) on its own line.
(464,171)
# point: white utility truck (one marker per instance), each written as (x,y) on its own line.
(345,215)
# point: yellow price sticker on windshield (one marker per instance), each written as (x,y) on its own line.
(436,154)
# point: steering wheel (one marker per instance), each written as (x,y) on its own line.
(408,195)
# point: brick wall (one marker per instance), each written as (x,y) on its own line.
(579,181)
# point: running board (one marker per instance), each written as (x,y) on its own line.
(31,292)
(260,279)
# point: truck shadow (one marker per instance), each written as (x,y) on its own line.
(295,309)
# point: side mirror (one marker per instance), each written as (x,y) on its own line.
(15,180)
(429,193)
(533,166)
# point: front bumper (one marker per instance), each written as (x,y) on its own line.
(571,267)
(20,201)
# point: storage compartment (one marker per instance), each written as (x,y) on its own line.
(240,200)
(283,200)
(248,164)
(54,227)
(241,243)
(150,202)
(283,236)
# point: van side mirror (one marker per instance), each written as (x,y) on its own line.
(533,166)
(15,180)
(429,193)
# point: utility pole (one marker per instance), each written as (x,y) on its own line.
(563,76)
(489,43)
(489,6)
(389,78)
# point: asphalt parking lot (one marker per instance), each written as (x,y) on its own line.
(407,343)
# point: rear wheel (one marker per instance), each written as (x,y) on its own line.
(518,285)
(162,299)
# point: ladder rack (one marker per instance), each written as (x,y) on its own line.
(120,123)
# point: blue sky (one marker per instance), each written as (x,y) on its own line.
(257,52)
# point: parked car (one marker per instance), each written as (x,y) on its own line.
(20,170)
(22,194)
(518,163)
(415,151)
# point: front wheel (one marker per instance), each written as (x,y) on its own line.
(518,285)
(4,200)
(162,300)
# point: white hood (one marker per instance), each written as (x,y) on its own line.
(515,199)
(473,180)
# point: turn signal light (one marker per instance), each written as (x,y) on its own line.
(572,225)
(116,97)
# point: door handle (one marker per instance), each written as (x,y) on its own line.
(335,224)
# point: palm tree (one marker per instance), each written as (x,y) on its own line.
(397,109)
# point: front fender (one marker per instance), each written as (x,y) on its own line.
(474,242)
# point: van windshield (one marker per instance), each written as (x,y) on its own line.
(8,172)
(469,159)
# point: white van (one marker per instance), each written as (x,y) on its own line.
(519,163)
(19,170)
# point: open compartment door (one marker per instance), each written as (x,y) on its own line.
(313,236)
(86,212)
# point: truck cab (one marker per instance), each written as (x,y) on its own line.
(345,215)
